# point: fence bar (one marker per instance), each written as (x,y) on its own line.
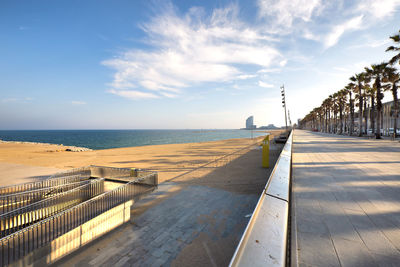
(46,223)
(21,199)
(52,181)
(48,207)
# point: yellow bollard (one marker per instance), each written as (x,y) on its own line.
(265,152)
(133,172)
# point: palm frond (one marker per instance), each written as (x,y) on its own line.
(395,59)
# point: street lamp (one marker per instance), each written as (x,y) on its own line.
(284,103)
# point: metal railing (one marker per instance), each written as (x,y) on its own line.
(83,172)
(26,241)
(52,181)
(18,200)
(19,218)
(264,241)
(117,173)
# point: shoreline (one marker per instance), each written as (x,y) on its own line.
(101,140)
(82,149)
(169,160)
(67,148)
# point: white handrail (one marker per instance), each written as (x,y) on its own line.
(264,240)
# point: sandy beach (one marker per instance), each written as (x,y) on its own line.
(169,160)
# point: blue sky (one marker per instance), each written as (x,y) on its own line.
(181,64)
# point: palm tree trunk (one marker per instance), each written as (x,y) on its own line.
(320,123)
(326,121)
(373,114)
(360,115)
(351,115)
(341,119)
(396,108)
(365,116)
(379,97)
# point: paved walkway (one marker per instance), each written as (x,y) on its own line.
(346,193)
(193,220)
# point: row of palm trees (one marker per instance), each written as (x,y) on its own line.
(337,112)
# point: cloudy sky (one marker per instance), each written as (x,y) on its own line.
(181,64)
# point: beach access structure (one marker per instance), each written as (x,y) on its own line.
(264,242)
(75,212)
(10,202)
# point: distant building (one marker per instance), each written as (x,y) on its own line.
(250,123)
(270,126)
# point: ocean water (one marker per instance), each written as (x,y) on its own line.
(103,139)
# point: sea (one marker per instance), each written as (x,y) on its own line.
(104,139)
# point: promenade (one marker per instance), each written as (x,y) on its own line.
(345,201)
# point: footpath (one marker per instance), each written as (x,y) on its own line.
(346,201)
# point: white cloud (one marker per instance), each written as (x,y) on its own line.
(341,69)
(352,24)
(271,70)
(307,34)
(382,9)
(323,21)
(265,85)
(283,63)
(189,50)
(78,102)
(133,94)
(372,44)
(8,100)
(285,12)
(17,100)
(246,76)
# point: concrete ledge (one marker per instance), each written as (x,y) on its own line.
(264,241)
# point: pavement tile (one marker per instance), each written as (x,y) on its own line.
(346,196)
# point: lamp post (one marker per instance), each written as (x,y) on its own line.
(284,103)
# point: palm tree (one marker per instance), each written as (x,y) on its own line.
(376,72)
(346,112)
(393,77)
(396,39)
(371,91)
(320,116)
(324,106)
(367,97)
(349,90)
(341,99)
(359,79)
(335,108)
(330,109)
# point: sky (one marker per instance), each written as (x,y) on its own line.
(206,64)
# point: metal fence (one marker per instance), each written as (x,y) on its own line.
(24,242)
(117,173)
(84,172)
(21,199)
(19,218)
(52,181)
